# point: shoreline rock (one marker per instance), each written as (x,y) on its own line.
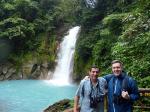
(61,106)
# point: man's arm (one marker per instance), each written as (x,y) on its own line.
(108,77)
(76,104)
(77,96)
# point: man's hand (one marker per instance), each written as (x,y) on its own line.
(77,109)
(125,95)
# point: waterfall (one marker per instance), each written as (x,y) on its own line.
(64,66)
(91,3)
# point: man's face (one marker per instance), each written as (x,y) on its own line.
(116,69)
(94,74)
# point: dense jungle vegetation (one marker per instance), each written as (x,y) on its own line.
(32,29)
(114,29)
(118,29)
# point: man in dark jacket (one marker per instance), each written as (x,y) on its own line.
(122,89)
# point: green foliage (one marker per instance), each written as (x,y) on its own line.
(90,19)
(48,5)
(26,9)
(66,12)
(84,49)
(133,46)
(6,9)
(22,21)
(144,82)
(135,53)
(5,49)
(13,27)
(101,54)
(135,24)
(19,32)
(122,33)
(114,23)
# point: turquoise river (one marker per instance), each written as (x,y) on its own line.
(31,95)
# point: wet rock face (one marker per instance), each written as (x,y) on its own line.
(39,71)
(8,71)
(61,106)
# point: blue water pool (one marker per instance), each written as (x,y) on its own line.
(31,95)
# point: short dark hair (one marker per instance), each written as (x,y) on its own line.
(94,66)
(116,61)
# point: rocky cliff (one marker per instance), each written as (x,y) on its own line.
(28,70)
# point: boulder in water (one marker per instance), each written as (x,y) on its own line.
(59,106)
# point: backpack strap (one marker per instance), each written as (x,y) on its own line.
(125,83)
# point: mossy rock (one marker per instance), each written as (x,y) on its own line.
(59,106)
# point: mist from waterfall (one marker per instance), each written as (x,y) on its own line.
(64,66)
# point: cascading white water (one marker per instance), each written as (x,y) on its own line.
(91,3)
(65,55)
